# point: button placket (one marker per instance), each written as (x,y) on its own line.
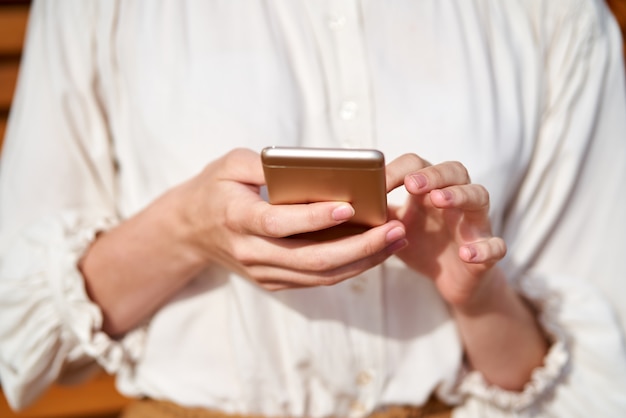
(368,346)
(353,124)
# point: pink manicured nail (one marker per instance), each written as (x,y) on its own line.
(446,194)
(470,252)
(397,246)
(420,180)
(343,212)
(395,234)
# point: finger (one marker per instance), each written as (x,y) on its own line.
(469,203)
(468,197)
(244,166)
(267,220)
(319,257)
(488,251)
(275,278)
(397,169)
(436,177)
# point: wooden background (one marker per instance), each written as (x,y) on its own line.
(13,17)
(97,398)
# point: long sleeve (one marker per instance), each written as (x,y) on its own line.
(57,191)
(565,229)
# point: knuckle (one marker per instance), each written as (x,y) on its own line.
(328,280)
(460,170)
(233,221)
(414,159)
(320,262)
(311,216)
(501,247)
(483,195)
(243,255)
(236,161)
(408,163)
(369,249)
(271,286)
(269,224)
(235,155)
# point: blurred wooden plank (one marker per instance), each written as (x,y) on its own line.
(618,7)
(96,398)
(3,129)
(13,20)
(8,77)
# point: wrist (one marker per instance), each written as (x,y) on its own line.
(490,294)
(130,270)
(501,335)
(180,224)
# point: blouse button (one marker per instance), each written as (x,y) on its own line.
(348,143)
(364,378)
(336,22)
(348,110)
(357,285)
(357,288)
(357,407)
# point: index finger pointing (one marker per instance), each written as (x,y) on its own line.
(397,170)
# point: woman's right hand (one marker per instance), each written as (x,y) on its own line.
(233,226)
(219,217)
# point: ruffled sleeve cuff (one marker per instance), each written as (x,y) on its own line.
(543,379)
(51,330)
(82,317)
(587,358)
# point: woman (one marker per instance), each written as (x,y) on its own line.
(135,236)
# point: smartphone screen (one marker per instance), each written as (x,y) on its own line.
(305,175)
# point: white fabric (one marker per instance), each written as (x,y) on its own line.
(118,101)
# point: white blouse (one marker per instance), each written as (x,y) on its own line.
(119,101)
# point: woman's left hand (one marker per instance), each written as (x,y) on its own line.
(447,227)
(450,240)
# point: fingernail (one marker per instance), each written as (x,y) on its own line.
(419,180)
(397,246)
(470,252)
(446,194)
(395,234)
(343,212)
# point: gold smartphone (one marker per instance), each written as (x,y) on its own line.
(306,175)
